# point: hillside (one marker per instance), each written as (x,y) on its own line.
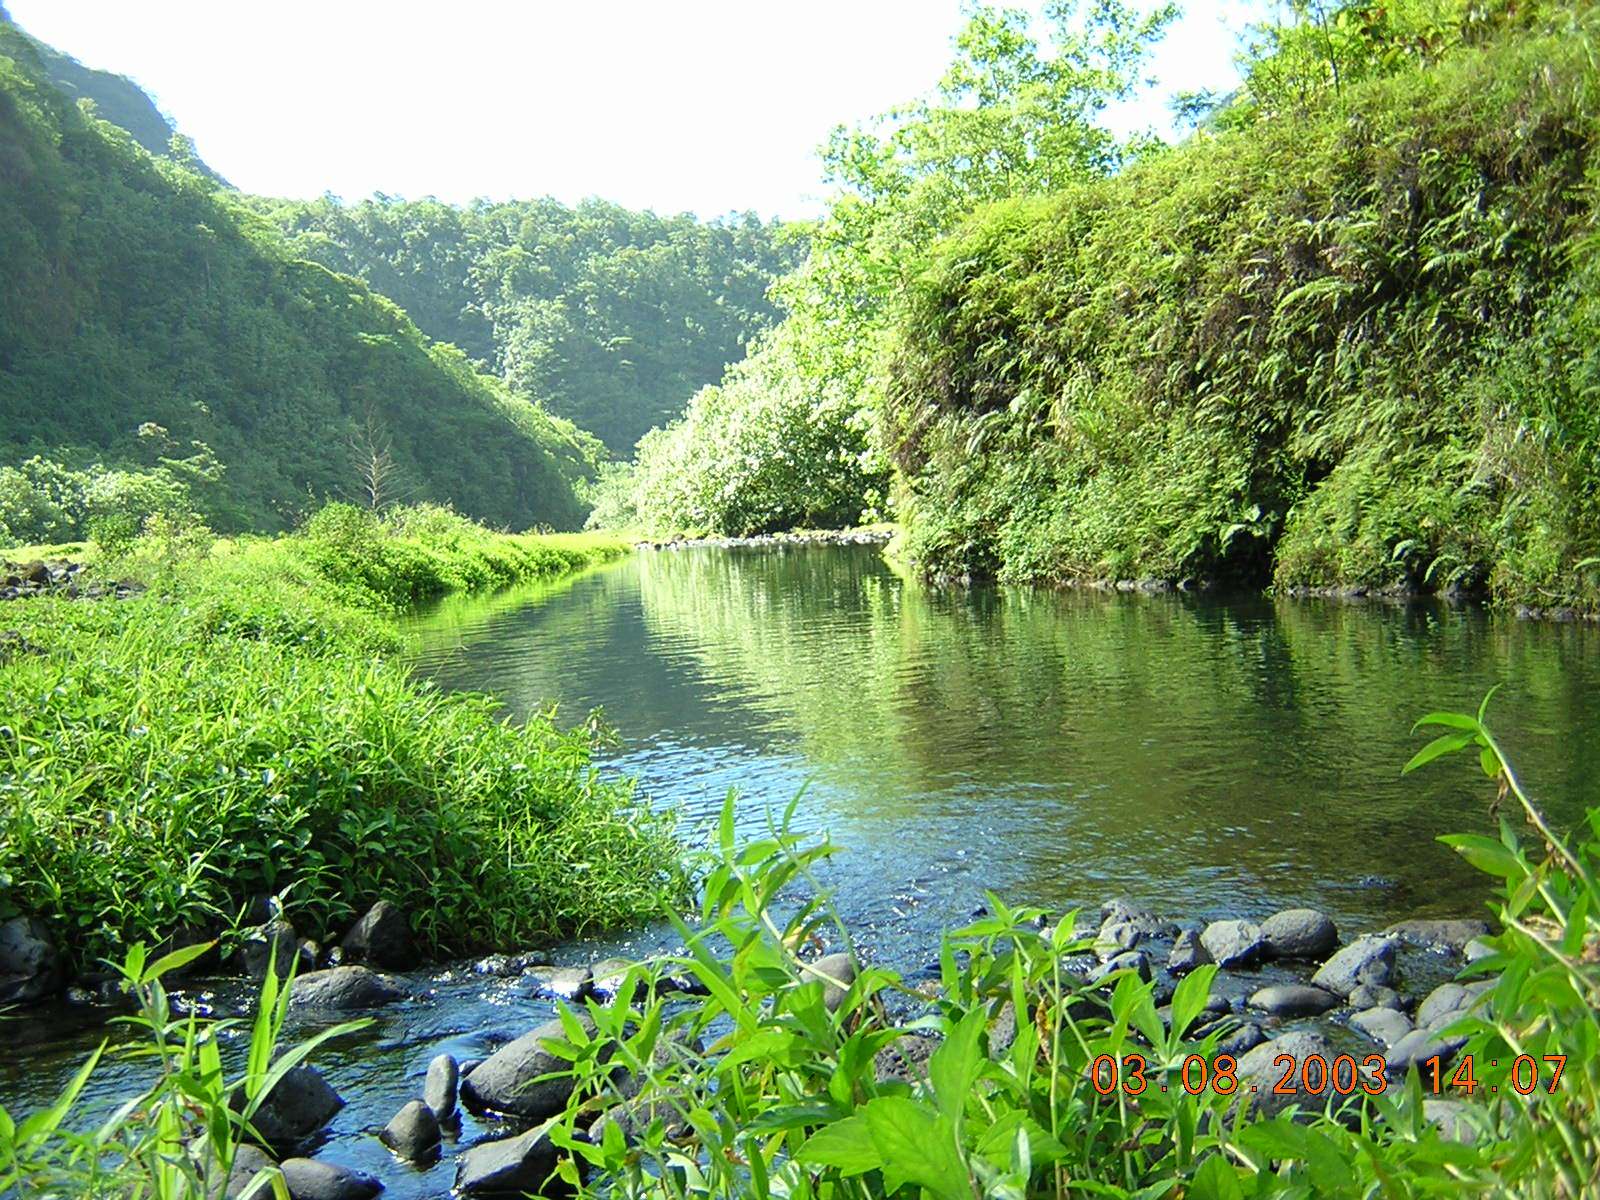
(609,317)
(1345,344)
(135,293)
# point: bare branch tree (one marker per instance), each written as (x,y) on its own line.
(378,476)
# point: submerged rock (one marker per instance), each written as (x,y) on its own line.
(1299,933)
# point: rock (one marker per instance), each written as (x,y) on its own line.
(1452,1118)
(308,1179)
(382,936)
(1417,1047)
(1478,948)
(1370,995)
(1187,953)
(1384,1025)
(1233,943)
(1299,933)
(508,1167)
(274,942)
(31,967)
(345,987)
(1293,1000)
(413,1133)
(560,983)
(504,1082)
(608,976)
(1368,959)
(440,1089)
(1452,935)
(834,970)
(1247,1037)
(1445,1003)
(248,1162)
(1122,927)
(1257,1066)
(300,1104)
(1003,1029)
(905,1059)
(1129,960)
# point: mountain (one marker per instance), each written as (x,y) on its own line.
(136,293)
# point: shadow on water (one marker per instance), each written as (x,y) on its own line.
(1207,756)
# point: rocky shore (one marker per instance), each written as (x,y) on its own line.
(57,577)
(830,537)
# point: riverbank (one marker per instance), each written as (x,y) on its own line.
(238,744)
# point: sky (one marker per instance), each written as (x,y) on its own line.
(704,106)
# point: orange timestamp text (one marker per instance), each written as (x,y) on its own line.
(1343,1075)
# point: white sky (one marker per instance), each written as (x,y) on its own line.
(706,106)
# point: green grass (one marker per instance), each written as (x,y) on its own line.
(244,728)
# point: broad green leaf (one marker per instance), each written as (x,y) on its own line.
(1440,746)
(847,1146)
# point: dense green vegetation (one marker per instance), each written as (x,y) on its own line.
(147,317)
(1344,342)
(607,317)
(1342,336)
(242,729)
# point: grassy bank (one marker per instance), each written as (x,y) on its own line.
(1344,343)
(244,728)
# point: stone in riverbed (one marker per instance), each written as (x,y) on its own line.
(507,1167)
(31,967)
(308,1179)
(273,943)
(1477,948)
(1245,1038)
(382,936)
(1417,1047)
(1446,1002)
(1233,943)
(1187,953)
(440,1090)
(1257,1066)
(413,1133)
(248,1162)
(834,970)
(505,1081)
(1368,959)
(344,987)
(560,983)
(1384,1025)
(1129,960)
(1453,1118)
(1450,935)
(1370,995)
(298,1105)
(1293,1000)
(1299,933)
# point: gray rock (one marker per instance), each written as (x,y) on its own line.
(1371,995)
(1384,1025)
(1299,933)
(1478,948)
(1187,953)
(1257,1066)
(1454,1119)
(1293,1000)
(31,967)
(905,1059)
(833,970)
(248,1162)
(508,1167)
(273,943)
(1451,935)
(440,1089)
(1233,943)
(300,1104)
(382,936)
(1123,927)
(1003,1029)
(1129,960)
(1445,1003)
(561,983)
(413,1132)
(1417,1047)
(508,1080)
(345,987)
(1245,1038)
(608,976)
(308,1179)
(1368,959)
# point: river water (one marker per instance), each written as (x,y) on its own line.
(1206,756)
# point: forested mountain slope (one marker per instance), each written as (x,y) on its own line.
(136,295)
(609,317)
(1349,340)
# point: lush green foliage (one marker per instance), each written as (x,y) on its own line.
(239,731)
(180,1139)
(1349,341)
(607,317)
(1011,116)
(134,293)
